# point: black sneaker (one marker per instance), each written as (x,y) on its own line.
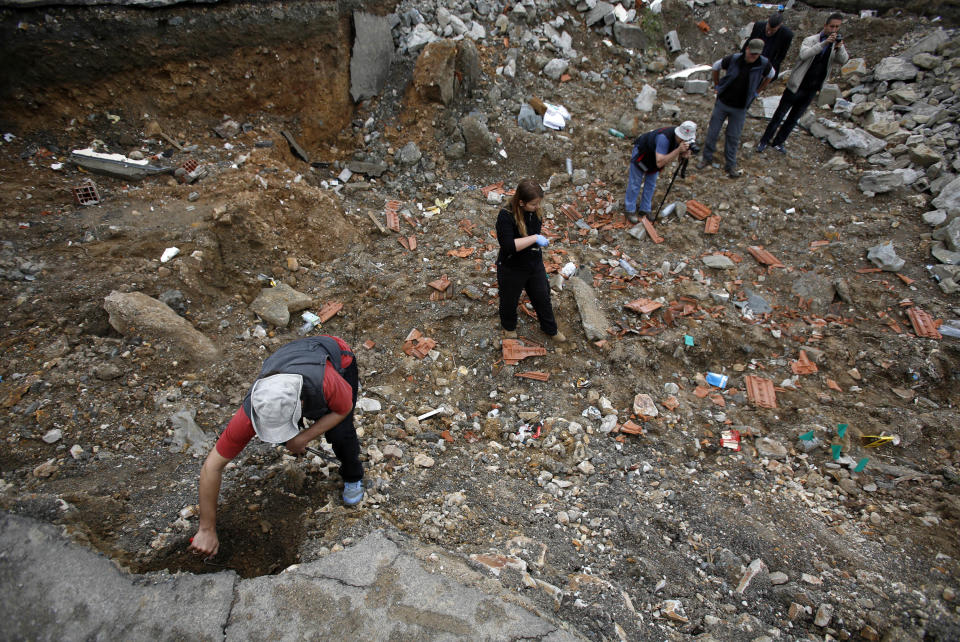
(702,163)
(733,172)
(632,217)
(780,148)
(762,145)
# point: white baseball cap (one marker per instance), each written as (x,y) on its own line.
(276,407)
(687,131)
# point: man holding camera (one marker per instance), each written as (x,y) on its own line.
(652,152)
(747,75)
(817,55)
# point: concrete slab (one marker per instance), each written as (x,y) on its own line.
(372,55)
(53,589)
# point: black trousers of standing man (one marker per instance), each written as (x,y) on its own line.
(512,282)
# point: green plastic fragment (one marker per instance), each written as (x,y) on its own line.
(861,464)
(837,449)
(687,340)
(841,430)
(807,436)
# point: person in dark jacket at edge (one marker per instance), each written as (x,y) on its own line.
(315,377)
(776,37)
(520,261)
(652,152)
(747,75)
(818,53)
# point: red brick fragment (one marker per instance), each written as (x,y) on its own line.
(369,343)
(906,279)
(760,391)
(631,428)
(536,375)
(515,350)
(86,193)
(651,232)
(328,310)
(440,284)
(393,221)
(697,210)
(461,252)
(923,323)
(712,225)
(763,257)
(803,365)
(417,345)
(643,306)
(833,385)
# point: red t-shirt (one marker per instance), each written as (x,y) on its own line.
(336,391)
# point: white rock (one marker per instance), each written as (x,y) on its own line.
(53,436)
(367,404)
(422,460)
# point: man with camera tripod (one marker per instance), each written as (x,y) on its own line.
(652,152)
(818,53)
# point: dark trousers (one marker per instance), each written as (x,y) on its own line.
(512,282)
(795,104)
(343,437)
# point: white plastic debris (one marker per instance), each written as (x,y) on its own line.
(568,270)
(169,253)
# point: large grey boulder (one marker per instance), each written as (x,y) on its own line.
(599,13)
(928,44)
(894,68)
(885,257)
(630,36)
(135,313)
(372,55)
(879,182)
(950,235)
(949,197)
(591,316)
(275,304)
(853,139)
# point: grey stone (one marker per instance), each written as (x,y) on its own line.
(419,38)
(669,110)
(928,44)
(68,592)
(477,138)
(883,129)
(903,96)
(135,312)
(824,615)
(940,252)
(893,68)
(949,198)
(630,36)
(455,150)
(828,95)
(718,262)
(372,55)
(950,235)
(853,139)
(879,182)
(275,304)
(926,61)
(591,316)
(580,177)
(528,119)
(368,169)
(811,285)
(227,129)
(186,433)
(693,86)
(598,13)
(854,67)
(755,304)
(409,154)
(555,68)
(935,217)
(645,99)
(778,577)
(683,62)
(885,257)
(770,448)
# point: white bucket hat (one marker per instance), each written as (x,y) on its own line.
(276,407)
(687,131)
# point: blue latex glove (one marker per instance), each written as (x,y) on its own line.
(542,241)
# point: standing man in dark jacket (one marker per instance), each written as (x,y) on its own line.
(747,75)
(818,53)
(316,378)
(776,37)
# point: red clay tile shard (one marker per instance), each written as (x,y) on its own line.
(670,403)
(652,233)
(697,210)
(491,188)
(712,226)
(392,206)
(906,279)
(923,323)
(329,310)
(760,392)
(764,257)
(86,193)
(417,345)
(631,428)
(369,343)
(515,350)
(803,365)
(833,385)
(461,252)
(440,284)
(643,306)
(536,375)
(393,221)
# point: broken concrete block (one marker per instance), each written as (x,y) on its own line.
(885,257)
(645,99)
(894,68)
(828,95)
(630,36)
(372,55)
(718,262)
(131,312)
(594,322)
(275,304)
(693,86)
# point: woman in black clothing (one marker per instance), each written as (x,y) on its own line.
(520,263)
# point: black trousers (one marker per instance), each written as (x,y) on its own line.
(512,282)
(343,437)
(795,104)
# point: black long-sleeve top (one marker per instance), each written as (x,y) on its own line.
(507,233)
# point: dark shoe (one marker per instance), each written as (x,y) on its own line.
(647,215)
(632,217)
(733,172)
(702,163)
(780,148)
(762,145)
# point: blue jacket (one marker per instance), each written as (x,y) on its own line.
(735,66)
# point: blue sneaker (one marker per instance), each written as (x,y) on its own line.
(780,148)
(352,492)
(762,145)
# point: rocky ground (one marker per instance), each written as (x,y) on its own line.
(120,368)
